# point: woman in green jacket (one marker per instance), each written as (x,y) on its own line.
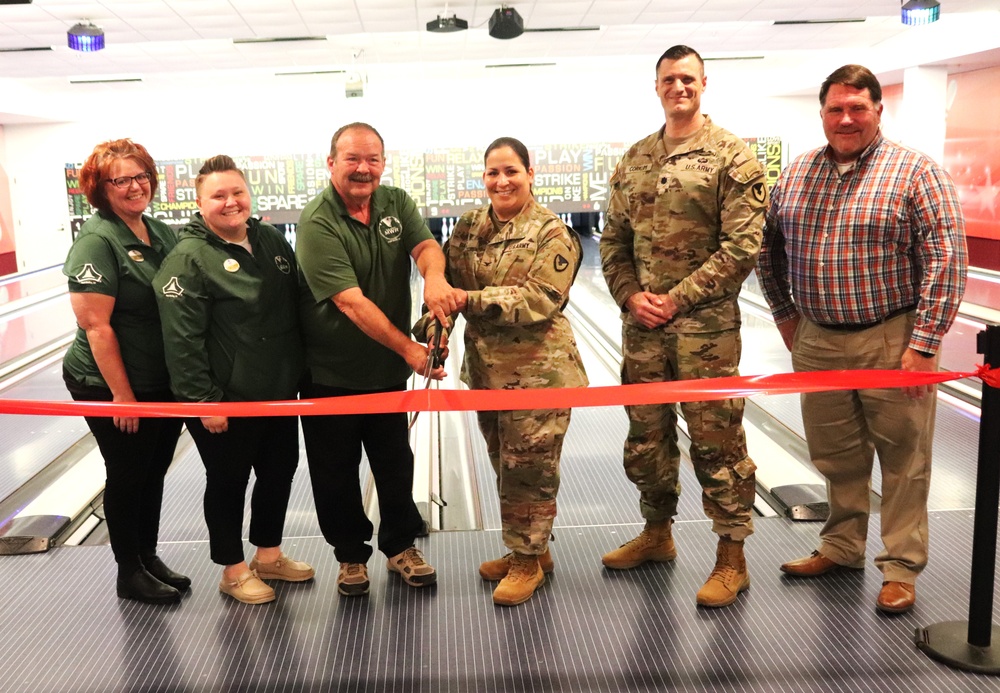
(228,304)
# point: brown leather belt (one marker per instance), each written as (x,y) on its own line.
(854,327)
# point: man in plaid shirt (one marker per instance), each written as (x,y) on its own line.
(863,265)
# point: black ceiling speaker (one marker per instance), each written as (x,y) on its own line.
(506,23)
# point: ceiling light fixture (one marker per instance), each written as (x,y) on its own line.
(506,23)
(446,25)
(917,12)
(85,37)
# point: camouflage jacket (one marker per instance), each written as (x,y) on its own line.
(688,224)
(518,281)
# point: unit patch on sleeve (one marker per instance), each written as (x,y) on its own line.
(172,289)
(282,264)
(88,275)
(560,263)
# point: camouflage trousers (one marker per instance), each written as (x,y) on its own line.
(718,443)
(524,448)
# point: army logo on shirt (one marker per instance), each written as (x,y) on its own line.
(231,265)
(390,228)
(759,192)
(560,263)
(282,264)
(88,275)
(136,256)
(172,289)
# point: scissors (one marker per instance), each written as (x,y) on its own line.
(433,362)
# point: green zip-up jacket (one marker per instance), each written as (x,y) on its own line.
(230,319)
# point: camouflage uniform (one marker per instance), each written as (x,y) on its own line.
(688,225)
(516,337)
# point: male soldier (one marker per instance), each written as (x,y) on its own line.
(683,231)
(869,239)
(353,245)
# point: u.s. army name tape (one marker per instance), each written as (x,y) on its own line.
(436,400)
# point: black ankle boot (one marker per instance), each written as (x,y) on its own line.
(143,587)
(158,569)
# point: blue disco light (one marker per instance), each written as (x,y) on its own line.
(917,12)
(85,37)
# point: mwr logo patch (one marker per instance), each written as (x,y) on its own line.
(282,264)
(172,289)
(136,256)
(88,275)
(390,228)
(560,263)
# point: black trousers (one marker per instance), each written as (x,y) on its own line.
(136,464)
(269,445)
(333,448)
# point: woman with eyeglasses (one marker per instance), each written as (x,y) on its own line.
(117,356)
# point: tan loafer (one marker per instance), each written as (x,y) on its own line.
(247,588)
(284,568)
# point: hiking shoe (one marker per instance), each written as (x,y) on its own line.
(412,567)
(654,543)
(497,568)
(284,568)
(352,579)
(524,577)
(728,578)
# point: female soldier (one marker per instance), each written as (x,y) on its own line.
(227,297)
(118,356)
(515,262)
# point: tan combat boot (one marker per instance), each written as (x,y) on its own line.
(524,577)
(498,567)
(728,578)
(654,543)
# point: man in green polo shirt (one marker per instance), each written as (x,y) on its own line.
(354,242)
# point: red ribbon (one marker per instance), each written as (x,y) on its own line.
(494,400)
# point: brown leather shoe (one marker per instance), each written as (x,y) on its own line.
(896,597)
(813,565)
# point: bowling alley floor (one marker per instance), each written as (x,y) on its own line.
(62,629)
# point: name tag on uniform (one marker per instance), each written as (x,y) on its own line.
(704,168)
(639,167)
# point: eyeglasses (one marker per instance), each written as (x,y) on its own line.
(126,181)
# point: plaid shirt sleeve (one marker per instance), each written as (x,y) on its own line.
(772,266)
(938,220)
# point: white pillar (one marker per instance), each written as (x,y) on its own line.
(925,105)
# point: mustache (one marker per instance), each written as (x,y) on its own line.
(361,177)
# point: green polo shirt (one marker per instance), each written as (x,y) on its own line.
(336,252)
(108,259)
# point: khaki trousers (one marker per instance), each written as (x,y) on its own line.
(845,430)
